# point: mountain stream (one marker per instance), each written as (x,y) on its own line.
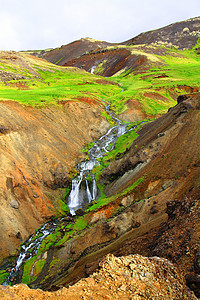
(84,190)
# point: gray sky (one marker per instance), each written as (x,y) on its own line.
(41,24)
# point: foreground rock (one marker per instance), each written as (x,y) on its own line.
(130,277)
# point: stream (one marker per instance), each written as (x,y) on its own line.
(84,190)
(32,243)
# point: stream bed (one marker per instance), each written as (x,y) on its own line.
(84,190)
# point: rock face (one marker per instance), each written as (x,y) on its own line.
(130,277)
(38,150)
(181,34)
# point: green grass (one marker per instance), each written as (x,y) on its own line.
(179,67)
(48,84)
(61,86)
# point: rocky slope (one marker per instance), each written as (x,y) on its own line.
(181,34)
(38,149)
(129,277)
(65,53)
(157,215)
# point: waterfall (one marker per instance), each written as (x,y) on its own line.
(82,192)
(94,189)
(88,192)
(74,194)
(92,69)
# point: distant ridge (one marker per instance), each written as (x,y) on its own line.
(182,34)
(65,53)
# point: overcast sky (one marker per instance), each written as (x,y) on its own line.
(41,24)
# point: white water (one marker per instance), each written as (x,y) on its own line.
(94,189)
(88,192)
(32,243)
(82,192)
(92,69)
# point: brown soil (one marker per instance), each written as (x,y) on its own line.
(134,111)
(156,96)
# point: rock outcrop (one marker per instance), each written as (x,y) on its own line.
(181,34)
(130,277)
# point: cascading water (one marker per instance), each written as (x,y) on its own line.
(78,198)
(92,69)
(30,247)
(84,190)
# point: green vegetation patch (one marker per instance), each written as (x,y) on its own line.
(48,84)
(38,268)
(26,278)
(175,68)
(3,276)
(80,223)
(105,200)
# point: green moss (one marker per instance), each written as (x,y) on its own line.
(3,276)
(63,207)
(38,268)
(26,278)
(53,263)
(80,223)
(64,238)
(88,147)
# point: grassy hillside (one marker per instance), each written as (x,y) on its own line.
(43,83)
(155,84)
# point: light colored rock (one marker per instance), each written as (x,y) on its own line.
(152,278)
(14,204)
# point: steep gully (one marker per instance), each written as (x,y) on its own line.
(82,192)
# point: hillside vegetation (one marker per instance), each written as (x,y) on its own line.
(149,182)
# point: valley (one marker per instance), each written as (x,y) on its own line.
(52,113)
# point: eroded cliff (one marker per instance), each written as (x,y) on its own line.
(38,149)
